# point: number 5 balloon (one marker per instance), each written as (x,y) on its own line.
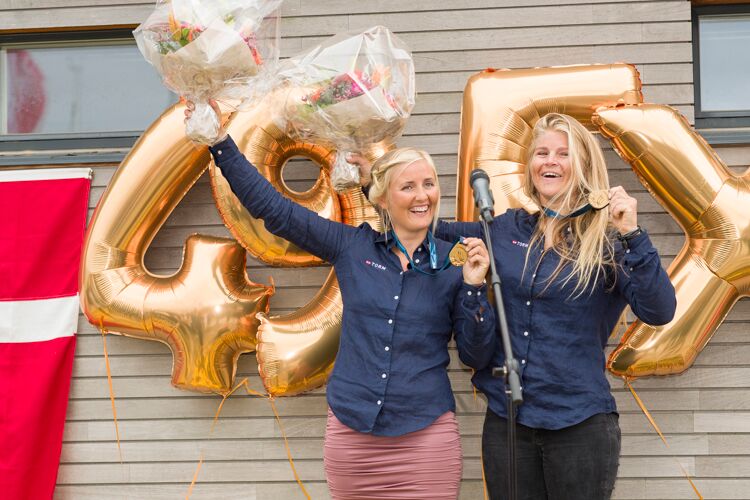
(712,205)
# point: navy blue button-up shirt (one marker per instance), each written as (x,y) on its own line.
(390,373)
(559,341)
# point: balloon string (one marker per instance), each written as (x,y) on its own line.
(658,431)
(111,388)
(210,432)
(484,480)
(622,324)
(283,434)
(195,478)
(473,387)
(270,400)
(481,454)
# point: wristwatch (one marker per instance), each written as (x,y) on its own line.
(625,238)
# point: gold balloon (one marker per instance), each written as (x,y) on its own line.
(500,108)
(206,311)
(295,352)
(269,148)
(712,205)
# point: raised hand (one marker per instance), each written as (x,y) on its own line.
(364,166)
(220,118)
(477,263)
(623,210)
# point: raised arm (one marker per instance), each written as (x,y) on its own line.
(644,283)
(281,216)
(451,231)
(641,279)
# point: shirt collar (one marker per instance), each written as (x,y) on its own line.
(391,241)
(528,220)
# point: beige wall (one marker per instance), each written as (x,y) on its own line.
(705,413)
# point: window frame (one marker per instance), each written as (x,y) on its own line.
(77,147)
(731,122)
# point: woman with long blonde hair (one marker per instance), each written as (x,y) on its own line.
(567,271)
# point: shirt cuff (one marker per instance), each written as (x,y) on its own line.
(224,150)
(475,305)
(638,251)
(474,299)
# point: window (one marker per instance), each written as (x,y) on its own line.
(96,85)
(721,53)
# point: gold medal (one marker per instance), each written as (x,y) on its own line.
(598,199)
(458,255)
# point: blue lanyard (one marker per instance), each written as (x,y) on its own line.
(551,213)
(433,255)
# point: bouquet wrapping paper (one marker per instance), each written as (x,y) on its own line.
(358,91)
(212,49)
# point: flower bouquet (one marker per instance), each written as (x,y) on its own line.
(211,49)
(357,90)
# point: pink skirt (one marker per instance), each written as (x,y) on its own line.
(425,464)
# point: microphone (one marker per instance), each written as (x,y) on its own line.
(480,183)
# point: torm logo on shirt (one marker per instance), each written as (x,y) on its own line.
(520,244)
(375,265)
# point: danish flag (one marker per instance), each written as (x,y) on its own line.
(42,223)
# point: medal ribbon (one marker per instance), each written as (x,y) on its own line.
(551,213)
(433,255)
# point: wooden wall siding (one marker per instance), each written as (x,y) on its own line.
(705,413)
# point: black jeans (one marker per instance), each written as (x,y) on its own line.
(575,463)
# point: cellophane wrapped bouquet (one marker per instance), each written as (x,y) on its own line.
(212,49)
(358,90)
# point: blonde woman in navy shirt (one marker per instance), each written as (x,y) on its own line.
(567,272)
(391,430)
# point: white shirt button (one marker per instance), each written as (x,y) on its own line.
(528,302)
(419,249)
(417,261)
(533,275)
(390,321)
(387,348)
(481,319)
(218,152)
(479,293)
(401,273)
(468,292)
(383,376)
(523,361)
(379,402)
(395,297)
(631,268)
(525,334)
(627,251)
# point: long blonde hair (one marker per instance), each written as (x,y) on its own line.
(582,242)
(382,173)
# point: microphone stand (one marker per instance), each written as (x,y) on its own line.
(510,371)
